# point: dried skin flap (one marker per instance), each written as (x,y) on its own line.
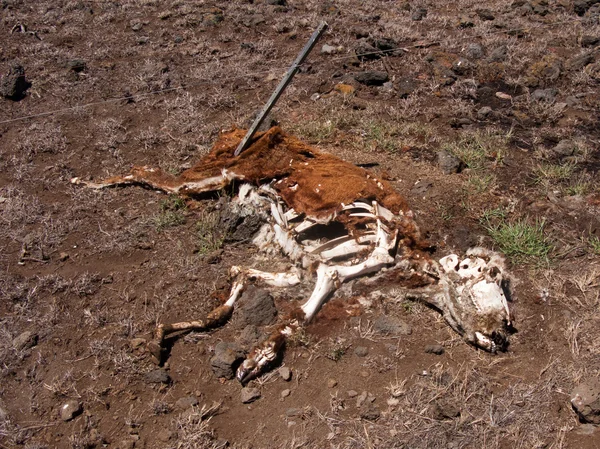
(310,182)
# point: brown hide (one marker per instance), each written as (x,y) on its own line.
(309,181)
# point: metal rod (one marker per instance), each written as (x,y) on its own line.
(281,87)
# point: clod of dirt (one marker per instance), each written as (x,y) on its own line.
(361,351)
(420,188)
(370,412)
(157,376)
(586,401)
(371,78)
(186,402)
(256,308)
(285,373)
(389,325)
(443,410)
(449,163)
(249,394)
(25,340)
(227,355)
(70,410)
(434,349)
(14,85)
(563,148)
(419,14)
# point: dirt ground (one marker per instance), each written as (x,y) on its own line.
(483,115)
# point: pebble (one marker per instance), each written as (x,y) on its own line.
(547,95)
(293,412)
(249,394)
(485,14)
(285,393)
(361,399)
(449,163)
(434,349)
(331,383)
(157,376)
(328,49)
(371,78)
(370,412)
(285,373)
(186,402)
(352,393)
(70,410)
(474,51)
(484,112)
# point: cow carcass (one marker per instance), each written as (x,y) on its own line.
(338,222)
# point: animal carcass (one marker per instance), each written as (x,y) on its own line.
(337,220)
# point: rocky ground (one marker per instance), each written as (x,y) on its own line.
(483,114)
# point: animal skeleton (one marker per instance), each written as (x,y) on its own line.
(299,193)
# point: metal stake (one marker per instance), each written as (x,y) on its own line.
(281,87)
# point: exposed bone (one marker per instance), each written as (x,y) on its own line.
(349,248)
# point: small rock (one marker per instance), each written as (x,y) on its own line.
(249,394)
(14,85)
(70,410)
(590,41)
(419,14)
(352,393)
(361,351)
(157,376)
(485,14)
(186,402)
(328,49)
(546,95)
(226,357)
(3,413)
(461,66)
(331,383)
(484,112)
(371,78)
(256,307)
(405,87)
(474,51)
(421,188)
(387,87)
(165,435)
(586,401)
(25,340)
(76,65)
(434,349)
(136,343)
(498,54)
(370,412)
(285,373)
(361,399)
(285,393)
(293,412)
(586,429)
(62,256)
(444,410)
(464,22)
(579,62)
(564,148)
(389,325)
(249,336)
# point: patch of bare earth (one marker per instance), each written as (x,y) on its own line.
(487,124)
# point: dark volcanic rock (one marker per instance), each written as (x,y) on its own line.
(370,412)
(475,51)
(449,163)
(441,410)
(590,41)
(405,87)
(498,54)
(371,78)
(14,85)
(564,148)
(579,62)
(227,356)
(256,307)
(586,401)
(485,14)
(249,394)
(434,349)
